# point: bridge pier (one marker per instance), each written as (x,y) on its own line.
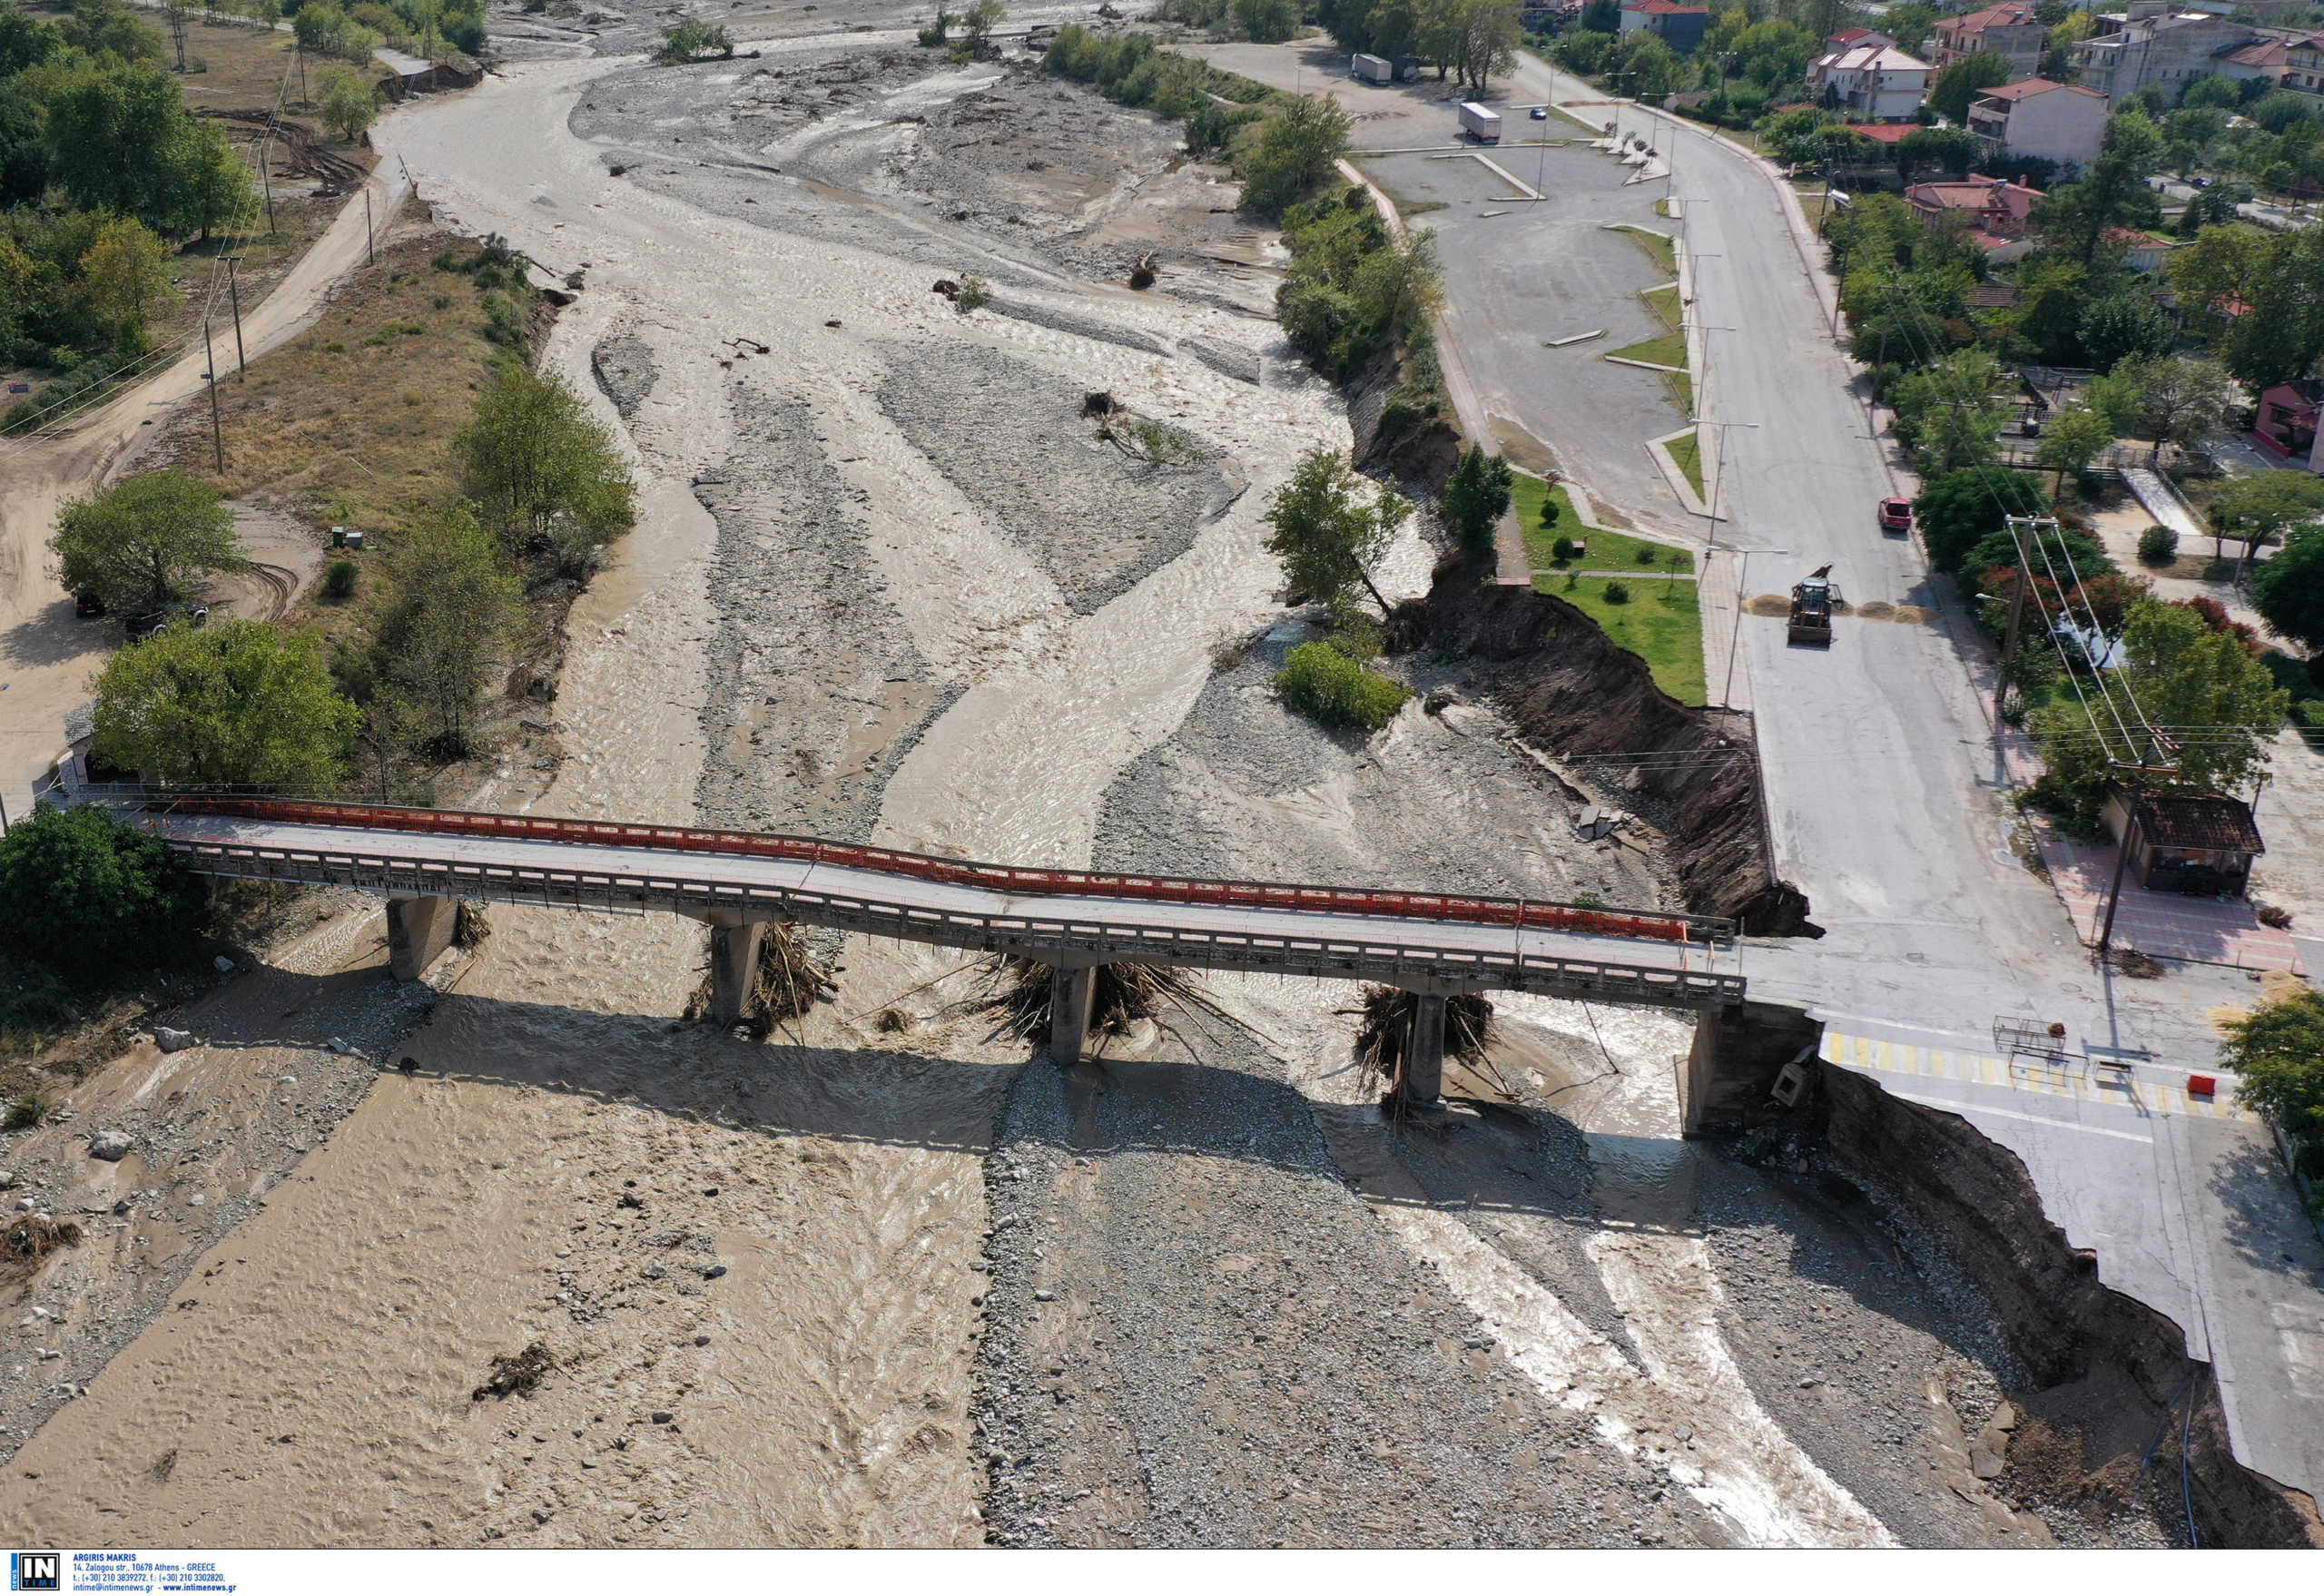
(1425,1051)
(1073,991)
(734,966)
(418,931)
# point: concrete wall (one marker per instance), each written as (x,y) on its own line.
(1738,1054)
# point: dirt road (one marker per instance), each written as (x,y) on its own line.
(47,658)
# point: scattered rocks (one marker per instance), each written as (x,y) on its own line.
(171,1041)
(113,1146)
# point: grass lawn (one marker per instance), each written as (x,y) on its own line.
(1665,349)
(1663,308)
(1662,624)
(1664,252)
(1689,452)
(1609,551)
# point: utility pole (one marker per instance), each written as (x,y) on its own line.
(301,49)
(2114,893)
(217,434)
(234,287)
(2016,607)
(1735,638)
(266,180)
(369,258)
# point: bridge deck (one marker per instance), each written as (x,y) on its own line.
(1400,951)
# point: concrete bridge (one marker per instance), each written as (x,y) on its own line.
(1074,922)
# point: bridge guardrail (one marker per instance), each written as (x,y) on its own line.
(1516,913)
(1340,957)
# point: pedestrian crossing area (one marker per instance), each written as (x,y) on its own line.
(2089,1081)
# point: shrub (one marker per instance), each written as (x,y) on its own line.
(1562,550)
(1320,682)
(2278,1053)
(338,581)
(693,40)
(2158,546)
(1618,593)
(1550,510)
(975,292)
(82,891)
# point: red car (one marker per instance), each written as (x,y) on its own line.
(1897,515)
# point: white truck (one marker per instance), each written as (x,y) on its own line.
(1479,123)
(1373,69)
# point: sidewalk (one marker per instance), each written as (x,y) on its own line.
(2167,925)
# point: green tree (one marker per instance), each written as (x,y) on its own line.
(2182,396)
(2119,326)
(2288,590)
(1950,149)
(149,540)
(113,137)
(2278,1056)
(1949,416)
(88,896)
(106,29)
(1324,534)
(233,704)
(350,104)
(126,273)
(1266,21)
(451,614)
(2218,267)
(1487,34)
(2215,92)
(545,475)
(2187,674)
(2072,439)
(1955,511)
(1962,81)
(2283,338)
(1475,495)
(2075,218)
(1296,150)
(211,187)
(2267,506)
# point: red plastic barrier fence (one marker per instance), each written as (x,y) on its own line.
(1509,912)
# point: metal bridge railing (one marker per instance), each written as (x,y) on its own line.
(1384,958)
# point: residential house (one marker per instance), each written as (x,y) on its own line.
(1877,81)
(2037,119)
(2009,29)
(1681,26)
(2263,60)
(1991,212)
(2304,66)
(2154,43)
(2197,842)
(2286,427)
(2142,252)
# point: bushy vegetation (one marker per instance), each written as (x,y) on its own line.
(1324,684)
(1354,288)
(690,39)
(1475,495)
(87,896)
(1956,511)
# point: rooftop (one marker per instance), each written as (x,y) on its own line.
(2198,819)
(1992,16)
(1872,58)
(1884,133)
(2031,86)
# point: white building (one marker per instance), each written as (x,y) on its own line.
(1874,81)
(2038,119)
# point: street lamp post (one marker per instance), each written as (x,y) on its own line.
(1742,571)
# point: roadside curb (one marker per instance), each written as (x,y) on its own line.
(1658,450)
